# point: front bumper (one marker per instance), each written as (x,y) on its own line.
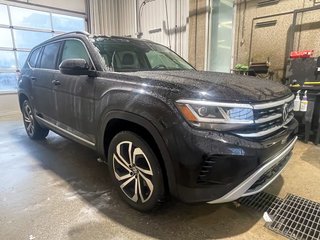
(245,188)
(214,167)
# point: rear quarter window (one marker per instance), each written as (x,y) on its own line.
(33,57)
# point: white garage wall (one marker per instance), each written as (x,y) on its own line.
(127,18)
(103,17)
(166,22)
(162,21)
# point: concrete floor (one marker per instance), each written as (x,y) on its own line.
(55,189)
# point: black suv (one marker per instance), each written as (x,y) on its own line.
(162,126)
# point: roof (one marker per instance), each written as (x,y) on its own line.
(86,34)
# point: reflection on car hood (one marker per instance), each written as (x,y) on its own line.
(216,86)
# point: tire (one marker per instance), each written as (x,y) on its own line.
(135,171)
(33,129)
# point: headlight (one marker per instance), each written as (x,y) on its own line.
(215,115)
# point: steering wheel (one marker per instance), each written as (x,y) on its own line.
(160,66)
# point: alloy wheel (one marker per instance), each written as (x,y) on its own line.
(28,119)
(133,171)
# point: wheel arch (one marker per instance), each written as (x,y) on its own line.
(116,121)
(22,97)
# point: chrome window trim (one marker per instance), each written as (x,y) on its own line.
(66,39)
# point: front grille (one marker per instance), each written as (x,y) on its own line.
(265,113)
(263,127)
(262,115)
(269,118)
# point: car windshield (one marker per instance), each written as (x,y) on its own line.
(125,55)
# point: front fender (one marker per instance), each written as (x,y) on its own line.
(151,128)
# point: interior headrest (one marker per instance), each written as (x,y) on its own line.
(127,59)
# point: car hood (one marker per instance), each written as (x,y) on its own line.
(216,86)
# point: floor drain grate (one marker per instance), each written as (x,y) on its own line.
(297,218)
(262,201)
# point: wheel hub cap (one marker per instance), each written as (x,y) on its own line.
(133,171)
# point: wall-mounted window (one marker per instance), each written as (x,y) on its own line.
(220,44)
(21,29)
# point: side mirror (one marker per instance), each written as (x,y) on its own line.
(74,66)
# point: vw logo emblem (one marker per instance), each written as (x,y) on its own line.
(285,112)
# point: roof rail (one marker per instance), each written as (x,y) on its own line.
(61,35)
(77,32)
(113,36)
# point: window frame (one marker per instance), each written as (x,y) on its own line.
(58,60)
(36,60)
(57,57)
(91,63)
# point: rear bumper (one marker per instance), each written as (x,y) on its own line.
(276,165)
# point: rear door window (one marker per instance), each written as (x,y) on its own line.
(49,56)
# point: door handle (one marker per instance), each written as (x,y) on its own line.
(56,82)
(33,79)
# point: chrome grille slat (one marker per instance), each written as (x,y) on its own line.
(273,104)
(265,132)
(268,119)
